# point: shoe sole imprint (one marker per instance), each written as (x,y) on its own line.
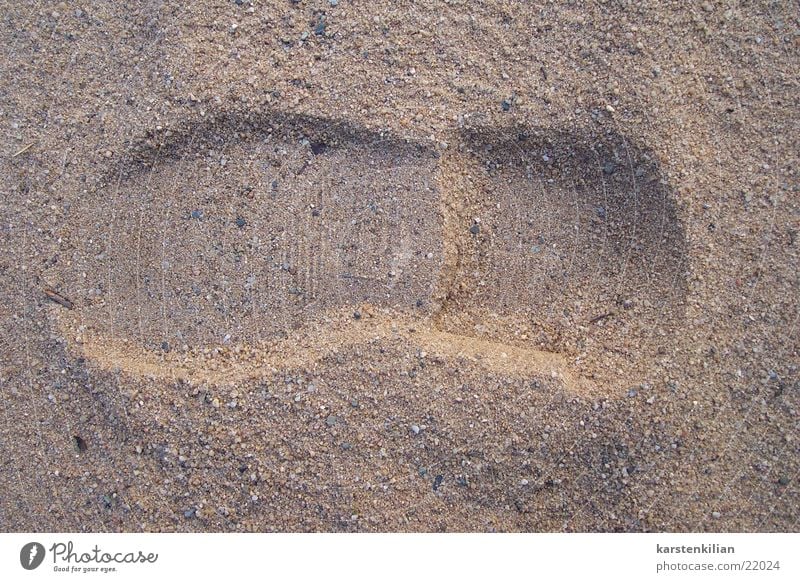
(578,250)
(243,245)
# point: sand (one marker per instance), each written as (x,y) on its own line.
(395,266)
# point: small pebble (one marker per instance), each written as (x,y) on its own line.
(80,443)
(414,429)
(318,148)
(716,514)
(240,222)
(475,228)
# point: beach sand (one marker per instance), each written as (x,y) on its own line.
(399,266)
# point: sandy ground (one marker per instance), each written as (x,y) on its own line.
(391,266)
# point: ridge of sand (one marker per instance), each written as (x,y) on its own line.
(232,364)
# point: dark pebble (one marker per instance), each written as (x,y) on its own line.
(506,105)
(165,346)
(784,481)
(240,222)
(356,315)
(609,168)
(189,513)
(475,228)
(320,29)
(437,482)
(80,443)
(197,214)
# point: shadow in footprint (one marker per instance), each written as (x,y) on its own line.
(567,242)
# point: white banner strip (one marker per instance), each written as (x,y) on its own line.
(407,557)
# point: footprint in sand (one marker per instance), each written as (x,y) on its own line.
(573,245)
(276,240)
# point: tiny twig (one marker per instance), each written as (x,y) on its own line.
(23,150)
(53,295)
(601,317)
